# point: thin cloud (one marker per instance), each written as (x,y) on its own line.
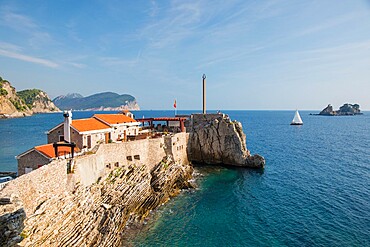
(9,46)
(78,65)
(330,24)
(26,58)
(18,22)
(25,25)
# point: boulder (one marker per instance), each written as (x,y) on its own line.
(328,111)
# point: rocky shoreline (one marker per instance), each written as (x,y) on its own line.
(93,216)
(48,207)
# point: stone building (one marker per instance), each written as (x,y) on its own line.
(39,156)
(86,133)
(122,126)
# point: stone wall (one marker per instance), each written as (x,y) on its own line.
(146,152)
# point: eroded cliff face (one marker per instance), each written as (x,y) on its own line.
(10,103)
(215,139)
(69,214)
(43,104)
(23,103)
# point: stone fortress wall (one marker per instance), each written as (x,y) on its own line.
(148,152)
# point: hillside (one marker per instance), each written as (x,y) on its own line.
(24,103)
(37,100)
(99,101)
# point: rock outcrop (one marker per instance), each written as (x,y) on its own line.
(23,103)
(328,111)
(215,139)
(11,105)
(344,110)
(66,213)
(38,101)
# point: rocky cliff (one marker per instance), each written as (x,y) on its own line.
(11,105)
(97,204)
(23,103)
(215,139)
(38,101)
(65,213)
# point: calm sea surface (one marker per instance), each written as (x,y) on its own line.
(314,191)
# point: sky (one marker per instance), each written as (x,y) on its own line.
(257,55)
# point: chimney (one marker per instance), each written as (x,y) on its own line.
(67,125)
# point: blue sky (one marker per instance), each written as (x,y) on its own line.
(279,54)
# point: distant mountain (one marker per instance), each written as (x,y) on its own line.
(99,101)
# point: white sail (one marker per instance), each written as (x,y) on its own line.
(297,118)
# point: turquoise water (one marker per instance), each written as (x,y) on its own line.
(314,191)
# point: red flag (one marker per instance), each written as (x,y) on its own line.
(174,104)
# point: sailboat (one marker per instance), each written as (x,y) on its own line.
(297,120)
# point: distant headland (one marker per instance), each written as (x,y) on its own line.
(344,110)
(107,101)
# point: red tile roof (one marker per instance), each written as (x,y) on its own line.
(114,118)
(88,124)
(48,150)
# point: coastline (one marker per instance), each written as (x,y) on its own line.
(298,181)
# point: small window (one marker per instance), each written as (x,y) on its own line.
(137,157)
(61,138)
(27,170)
(129,158)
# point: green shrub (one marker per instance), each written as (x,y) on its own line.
(18,105)
(29,96)
(3,92)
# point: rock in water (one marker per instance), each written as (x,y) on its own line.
(328,111)
(344,110)
(215,139)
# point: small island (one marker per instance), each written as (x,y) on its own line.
(344,110)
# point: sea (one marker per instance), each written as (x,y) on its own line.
(314,190)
